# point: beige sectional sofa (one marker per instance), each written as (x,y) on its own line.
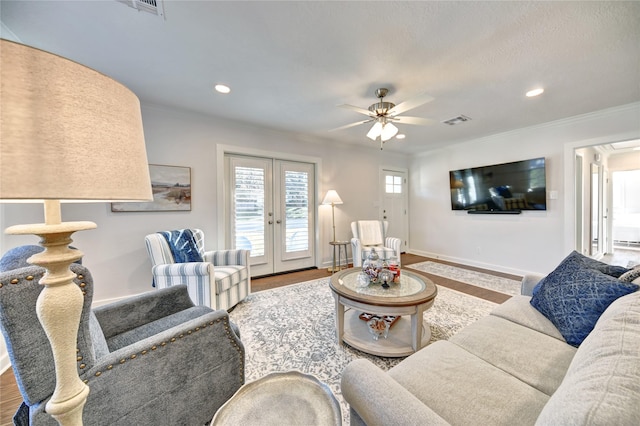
(512,367)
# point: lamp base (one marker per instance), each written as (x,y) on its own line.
(59,307)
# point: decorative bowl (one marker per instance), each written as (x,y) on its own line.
(378,327)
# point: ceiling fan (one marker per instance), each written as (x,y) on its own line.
(384,114)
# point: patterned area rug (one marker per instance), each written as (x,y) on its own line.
(479,279)
(293,328)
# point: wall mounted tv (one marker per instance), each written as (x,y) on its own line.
(501,188)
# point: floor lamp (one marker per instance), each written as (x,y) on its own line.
(332,198)
(67,133)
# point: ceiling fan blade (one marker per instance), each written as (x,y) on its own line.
(358,109)
(413,120)
(357,123)
(410,103)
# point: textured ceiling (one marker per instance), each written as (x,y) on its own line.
(289,64)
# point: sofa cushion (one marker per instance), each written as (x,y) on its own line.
(465,390)
(538,360)
(602,384)
(518,309)
(574,296)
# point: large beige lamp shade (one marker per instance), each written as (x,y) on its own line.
(68,133)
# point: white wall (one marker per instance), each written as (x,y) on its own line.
(115,251)
(531,241)
(627,161)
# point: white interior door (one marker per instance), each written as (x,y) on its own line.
(395,204)
(270,206)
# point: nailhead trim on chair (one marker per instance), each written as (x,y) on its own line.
(173,339)
(80,284)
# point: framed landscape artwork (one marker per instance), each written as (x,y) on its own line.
(171,187)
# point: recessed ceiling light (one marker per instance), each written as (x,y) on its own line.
(401,136)
(534,92)
(221,88)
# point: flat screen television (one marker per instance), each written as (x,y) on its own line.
(500,188)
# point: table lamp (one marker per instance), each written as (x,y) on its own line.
(332,198)
(67,133)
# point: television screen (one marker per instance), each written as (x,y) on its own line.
(508,187)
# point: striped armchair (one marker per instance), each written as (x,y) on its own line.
(368,234)
(221,281)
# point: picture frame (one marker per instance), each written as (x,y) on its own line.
(171,187)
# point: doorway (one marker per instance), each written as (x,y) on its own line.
(393,184)
(607,202)
(270,209)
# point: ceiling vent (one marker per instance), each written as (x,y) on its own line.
(155,7)
(457,120)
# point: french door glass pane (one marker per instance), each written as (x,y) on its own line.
(249,209)
(296,211)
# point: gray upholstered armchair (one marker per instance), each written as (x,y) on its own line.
(150,359)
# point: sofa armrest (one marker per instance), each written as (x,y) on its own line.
(227,257)
(395,244)
(200,269)
(529,281)
(361,387)
(133,312)
(356,252)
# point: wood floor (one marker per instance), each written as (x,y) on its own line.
(10,397)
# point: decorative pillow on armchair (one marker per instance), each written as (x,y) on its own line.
(574,296)
(183,245)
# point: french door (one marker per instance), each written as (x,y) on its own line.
(270,205)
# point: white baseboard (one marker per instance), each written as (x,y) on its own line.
(468,262)
(4,361)
(97,303)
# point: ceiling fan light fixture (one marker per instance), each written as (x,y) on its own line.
(375,131)
(388,131)
(221,88)
(535,92)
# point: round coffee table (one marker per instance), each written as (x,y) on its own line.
(409,298)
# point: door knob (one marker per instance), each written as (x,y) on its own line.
(270,222)
(278,221)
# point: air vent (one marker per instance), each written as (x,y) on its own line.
(155,7)
(457,120)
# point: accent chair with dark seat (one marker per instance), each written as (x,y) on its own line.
(155,358)
(368,234)
(218,279)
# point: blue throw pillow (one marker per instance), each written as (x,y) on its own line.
(183,246)
(574,296)
(605,268)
